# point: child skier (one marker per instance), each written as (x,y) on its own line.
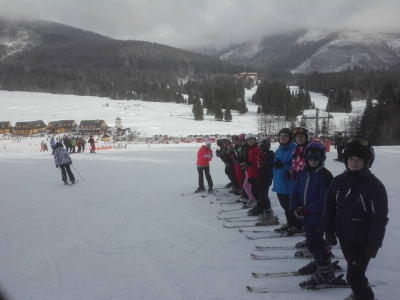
(356,210)
(307,203)
(204,156)
(63,161)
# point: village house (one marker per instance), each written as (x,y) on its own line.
(61,126)
(5,127)
(252,75)
(30,127)
(93,127)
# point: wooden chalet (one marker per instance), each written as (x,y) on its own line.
(30,127)
(5,127)
(105,138)
(252,75)
(62,126)
(93,127)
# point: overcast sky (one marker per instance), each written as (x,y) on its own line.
(203,23)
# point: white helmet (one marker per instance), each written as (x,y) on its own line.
(251,135)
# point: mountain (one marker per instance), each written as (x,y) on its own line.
(316,50)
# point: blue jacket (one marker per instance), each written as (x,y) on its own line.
(309,191)
(356,209)
(284,154)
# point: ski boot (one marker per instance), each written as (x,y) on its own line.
(282,228)
(65,182)
(301,244)
(200,189)
(267,218)
(324,275)
(210,190)
(292,230)
(254,212)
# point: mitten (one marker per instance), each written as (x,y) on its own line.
(371,251)
(300,212)
(57,166)
(278,164)
(330,238)
(287,175)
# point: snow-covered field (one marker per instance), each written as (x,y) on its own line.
(125,231)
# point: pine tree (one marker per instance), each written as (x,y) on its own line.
(197,110)
(242,108)
(228,114)
(218,115)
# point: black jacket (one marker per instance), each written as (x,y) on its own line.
(356,209)
(265,169)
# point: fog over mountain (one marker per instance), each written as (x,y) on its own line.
(208,23)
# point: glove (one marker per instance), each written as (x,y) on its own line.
(300,212)
(248,164)
(278,164)
(294,175)
(330,238)
(287,175)
(70,162)
(57,166)
(252,180)
(371,251)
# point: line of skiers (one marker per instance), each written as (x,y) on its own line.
(351,208)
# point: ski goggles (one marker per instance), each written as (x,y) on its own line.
(298,130)
(358,140)
(316,157)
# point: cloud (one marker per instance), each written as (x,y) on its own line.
(204,23)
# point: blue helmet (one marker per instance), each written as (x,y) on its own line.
(316,148)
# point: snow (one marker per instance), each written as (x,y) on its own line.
(125,231)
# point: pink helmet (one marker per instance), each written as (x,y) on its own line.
(242,136)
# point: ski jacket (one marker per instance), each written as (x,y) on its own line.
(309,191)
(253,161)
(204,156)
(52,143)
(356,209)
(91,141)
(265,170)
(298,158)
(238,154)
(280,184)
(78,143)
(61,156)
(73,142)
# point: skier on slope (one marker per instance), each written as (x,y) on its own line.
(356,210)
(92,146)
(63,161)
(307,203)
(264,181)
(204,156)
(282,186)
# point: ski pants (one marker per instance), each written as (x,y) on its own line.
(357,263)
(339,150)
(92,148)
(315,242)
(238,174)
(206,171)
(290,218)
(263,202)
(65,168)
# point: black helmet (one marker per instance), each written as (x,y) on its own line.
(288,131)
(264,145)
(301,130)
(360,147)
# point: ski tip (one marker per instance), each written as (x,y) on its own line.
(250,288)
(255,275)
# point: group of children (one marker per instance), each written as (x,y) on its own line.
(351,207)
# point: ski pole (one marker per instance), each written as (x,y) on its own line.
(77,172)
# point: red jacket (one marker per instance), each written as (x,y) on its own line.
(204,156)
(254,159)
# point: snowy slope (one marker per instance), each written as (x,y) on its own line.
(125,231)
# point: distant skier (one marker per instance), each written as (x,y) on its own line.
(63,161)
(92,146)
(339,146)
(204,156)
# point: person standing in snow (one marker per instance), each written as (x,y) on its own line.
(307,203)
(281,185)
(339,146)
(356,210)
(301,138)
(63,161)
(204,156)
(92,146)
(253,158)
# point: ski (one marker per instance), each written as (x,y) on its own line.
(228,210)
(287,289)
(242,220)
(335,264)
(265,257)
(239,225)
(273,236)
(261,248)
(253,231)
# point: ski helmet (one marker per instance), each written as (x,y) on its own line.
(264,145)
(234,137)
(315,149)
(360,147)
(251,135)
(242,136)
(301,130)
(287,131)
